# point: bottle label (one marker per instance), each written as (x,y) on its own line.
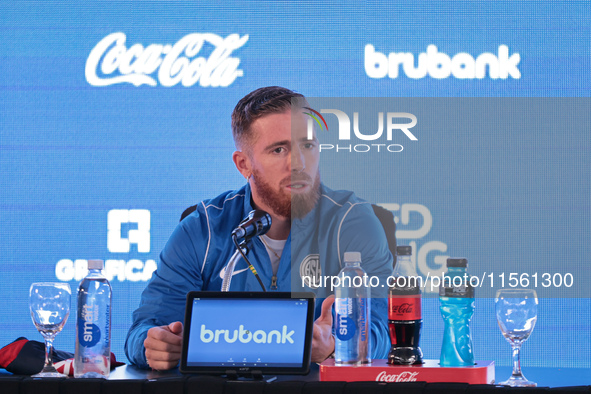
(89,334)
(462,291)
(404,308)
(363,319)
(345,324)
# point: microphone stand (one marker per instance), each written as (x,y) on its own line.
(232,263)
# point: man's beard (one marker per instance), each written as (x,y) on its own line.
(294,206)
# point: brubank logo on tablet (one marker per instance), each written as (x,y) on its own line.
(245,336)
(202,58)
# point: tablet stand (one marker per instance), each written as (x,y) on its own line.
(232,374)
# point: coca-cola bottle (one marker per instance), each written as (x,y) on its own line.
(404,312)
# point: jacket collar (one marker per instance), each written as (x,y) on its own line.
(247,199)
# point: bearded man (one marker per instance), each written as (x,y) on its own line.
(312,228)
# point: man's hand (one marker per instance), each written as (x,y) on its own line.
(163,346)
(322,339)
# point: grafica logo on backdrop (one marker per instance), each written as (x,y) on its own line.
(202,58)
(124,228)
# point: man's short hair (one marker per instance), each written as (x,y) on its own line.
(256,104)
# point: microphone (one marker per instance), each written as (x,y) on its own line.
(257,222)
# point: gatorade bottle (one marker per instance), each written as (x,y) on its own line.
(456,298)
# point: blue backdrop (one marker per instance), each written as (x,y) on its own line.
(114,117)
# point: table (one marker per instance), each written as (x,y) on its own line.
(128,379)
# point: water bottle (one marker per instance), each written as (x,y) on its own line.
(92,357)
(353,311)
(456,297)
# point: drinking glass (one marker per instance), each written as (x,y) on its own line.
(50,307)
(517,313)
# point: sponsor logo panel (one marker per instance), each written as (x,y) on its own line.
(133,270)
(439,65)
(198,58)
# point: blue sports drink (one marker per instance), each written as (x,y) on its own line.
(456,299)
(353,311)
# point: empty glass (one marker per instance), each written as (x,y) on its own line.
(517,313)
(50,307)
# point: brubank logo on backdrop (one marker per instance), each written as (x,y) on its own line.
(440,65)
(120,235)
(111,62)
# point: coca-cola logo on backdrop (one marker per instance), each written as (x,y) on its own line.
(202,58)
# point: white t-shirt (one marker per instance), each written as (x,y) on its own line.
(274,245)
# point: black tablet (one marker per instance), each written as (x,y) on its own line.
(247,333)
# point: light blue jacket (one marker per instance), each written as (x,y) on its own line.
(200,248)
